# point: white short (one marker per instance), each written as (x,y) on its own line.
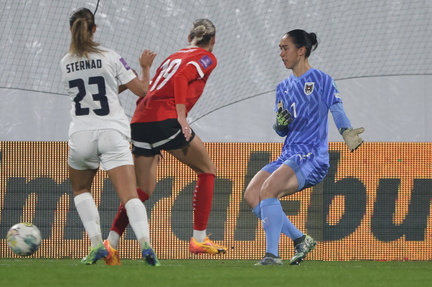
(107,148)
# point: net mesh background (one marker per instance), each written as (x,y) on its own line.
(388,37)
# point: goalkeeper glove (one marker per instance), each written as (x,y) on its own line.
(283,119)
(351,138)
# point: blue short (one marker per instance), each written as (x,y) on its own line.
(310,169)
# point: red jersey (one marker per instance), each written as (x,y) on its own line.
(180,79)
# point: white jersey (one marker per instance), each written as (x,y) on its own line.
(92,84)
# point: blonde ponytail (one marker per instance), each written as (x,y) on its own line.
(81,26)
(202,31)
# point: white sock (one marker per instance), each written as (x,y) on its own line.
(199,235)
(113,238)
(137,215)
(89,215)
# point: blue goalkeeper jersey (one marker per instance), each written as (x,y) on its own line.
(308,98)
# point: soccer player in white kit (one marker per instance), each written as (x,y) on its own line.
(99,132)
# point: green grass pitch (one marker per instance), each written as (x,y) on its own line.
(207,273)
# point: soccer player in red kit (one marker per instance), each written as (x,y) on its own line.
(159,123)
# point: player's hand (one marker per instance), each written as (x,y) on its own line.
(186,129)
(146,58)
(283,117)
(351,138)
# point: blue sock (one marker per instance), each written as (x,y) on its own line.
(272,221)
(289,229)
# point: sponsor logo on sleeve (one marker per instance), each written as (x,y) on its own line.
(124,64)
(205,62)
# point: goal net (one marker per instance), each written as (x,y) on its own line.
(388,37)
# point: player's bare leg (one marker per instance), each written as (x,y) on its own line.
(196,157)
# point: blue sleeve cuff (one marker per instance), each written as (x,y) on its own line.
(340,118)
(280,131)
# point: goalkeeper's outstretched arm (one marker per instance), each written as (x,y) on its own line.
(350,135)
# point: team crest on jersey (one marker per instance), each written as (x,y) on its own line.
(206,62)
(124,64)
(309,87)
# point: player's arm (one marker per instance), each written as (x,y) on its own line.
(350,135)
(140,86)
(123,88)
(181,83)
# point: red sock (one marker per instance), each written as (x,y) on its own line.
(121,220)
(143,196)
(202,200)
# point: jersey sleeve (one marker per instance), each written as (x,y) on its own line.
(198,67)
(124,73)
(279,99)
(204,64)
(334,102)
(330,90)
(181,81)
(340,118)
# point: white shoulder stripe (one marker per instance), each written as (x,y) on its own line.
(198,67)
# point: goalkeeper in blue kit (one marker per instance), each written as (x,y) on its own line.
(303,102)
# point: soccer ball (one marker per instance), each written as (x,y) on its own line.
(24,238)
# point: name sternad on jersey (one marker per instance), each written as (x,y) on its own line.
(84,65)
